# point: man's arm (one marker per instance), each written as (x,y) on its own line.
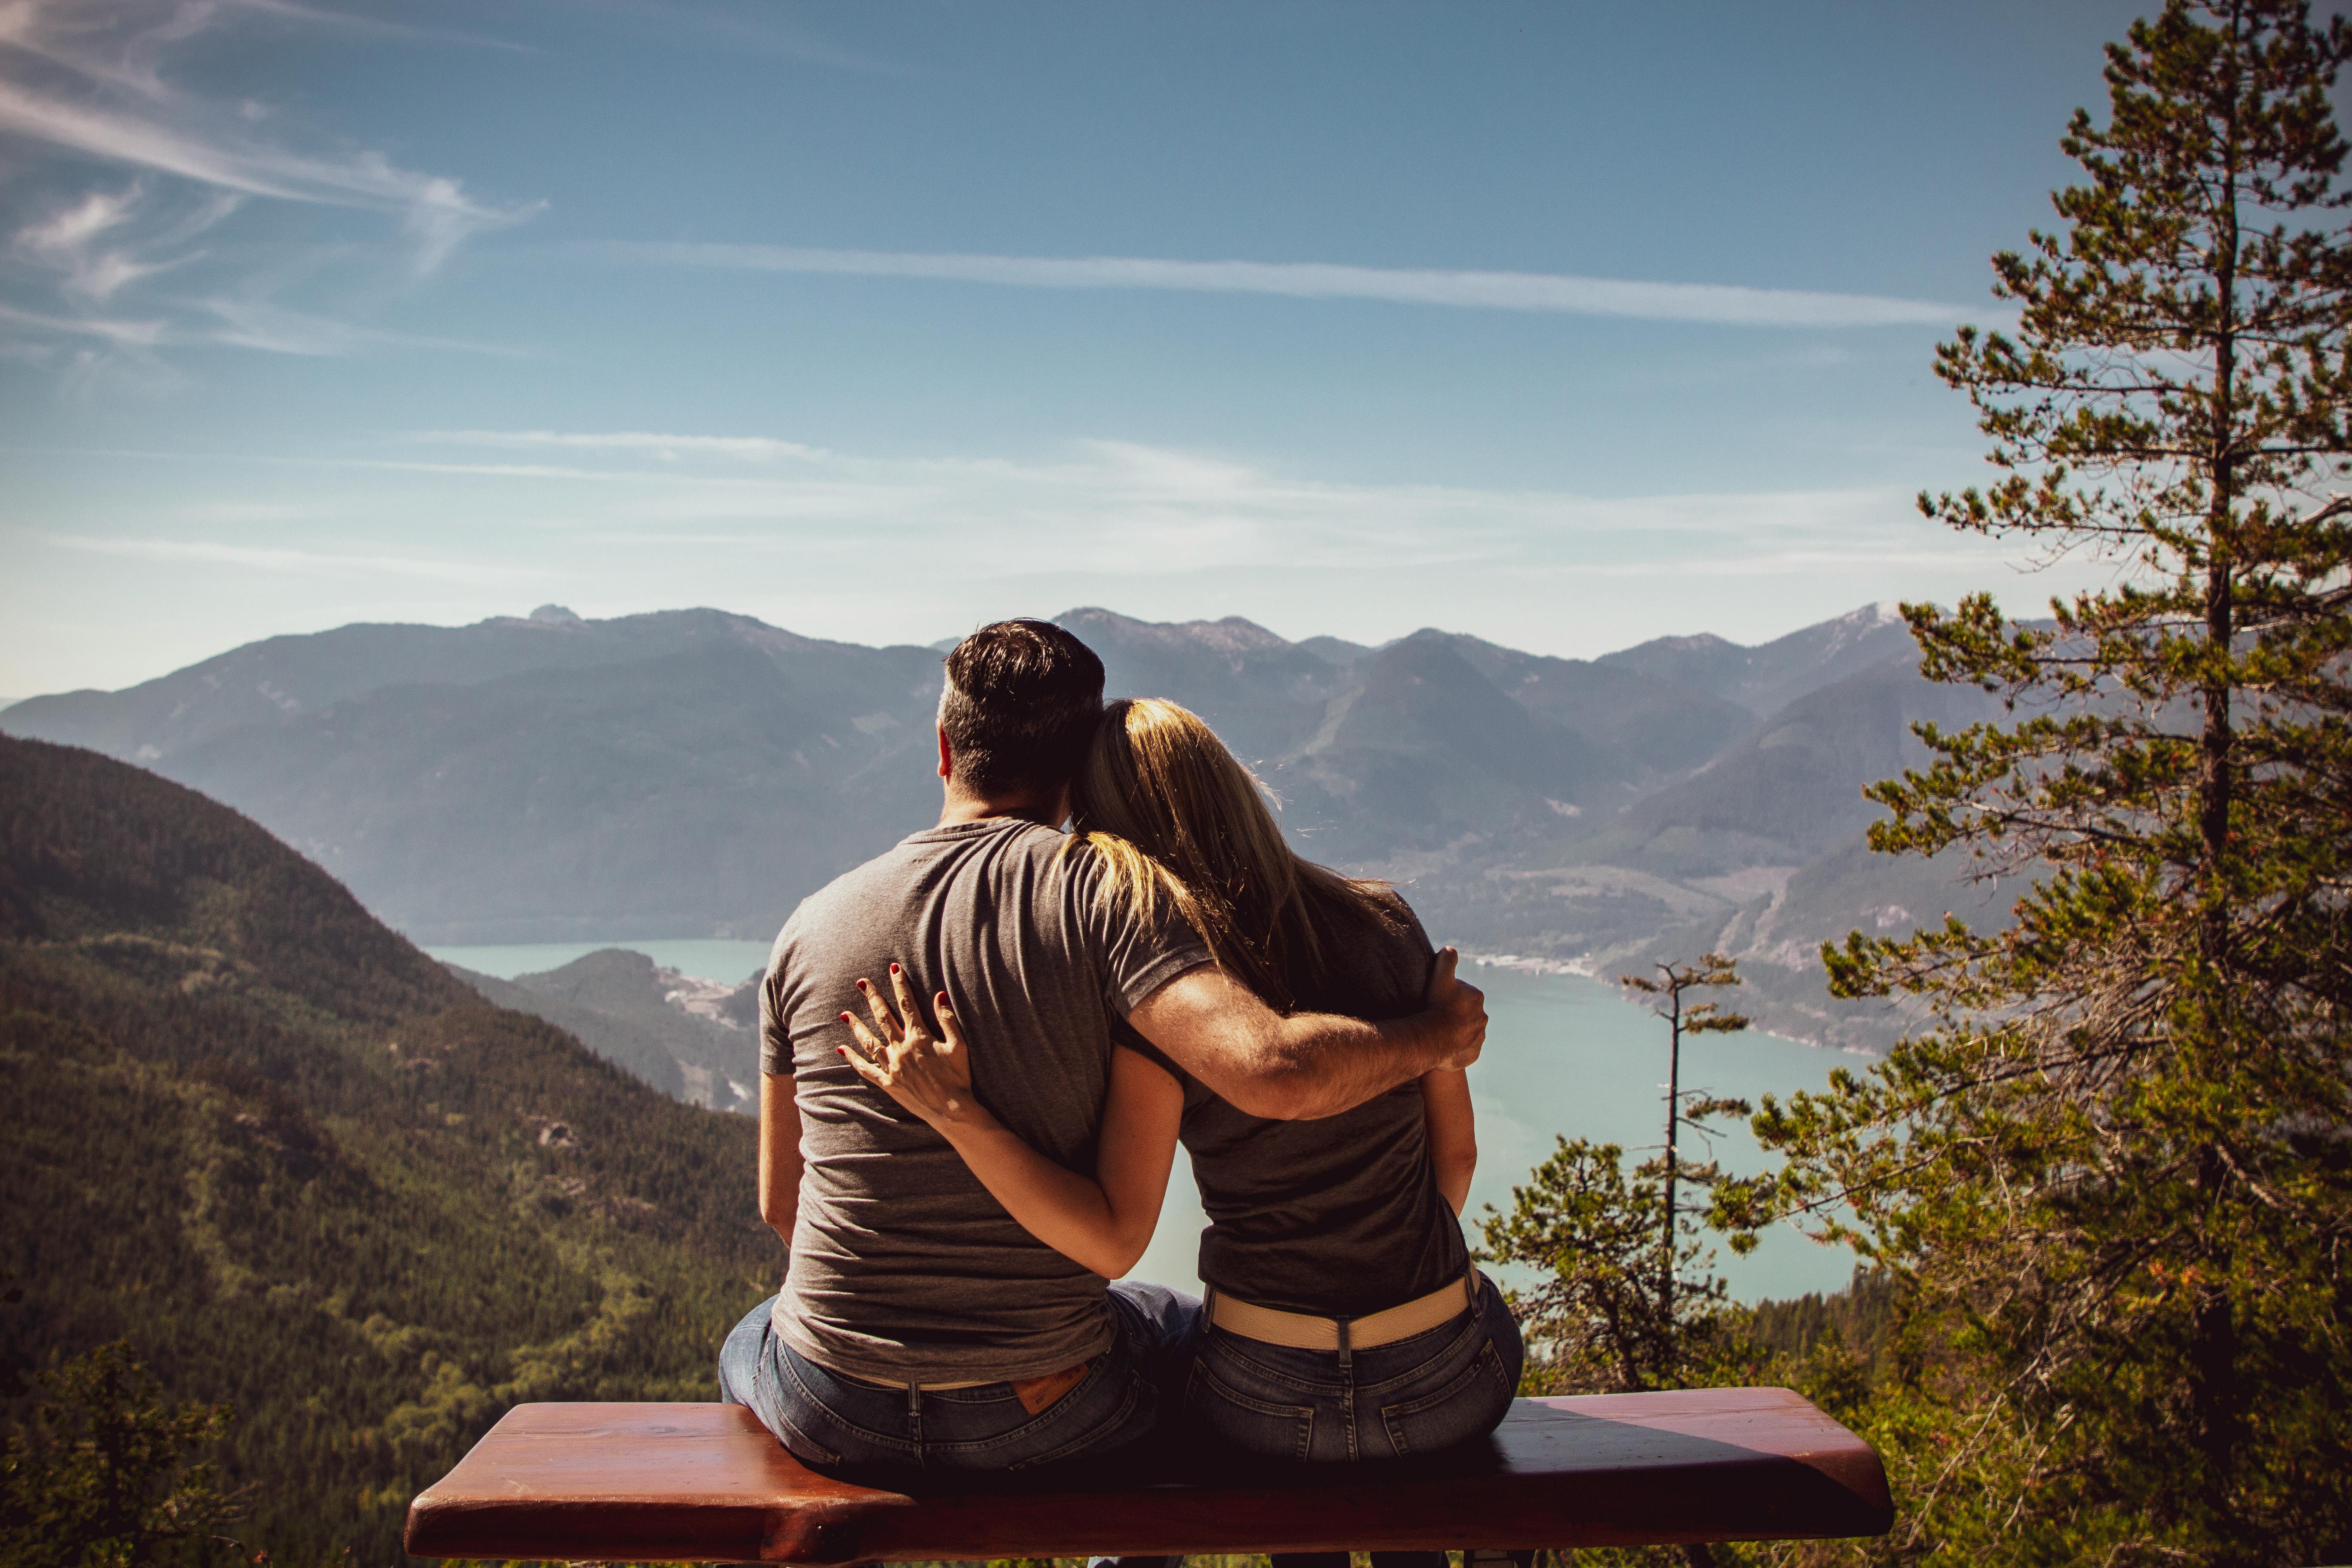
(780,1153)
(1309,1065)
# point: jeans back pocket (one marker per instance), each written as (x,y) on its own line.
(1253,1426)
(1470,1404)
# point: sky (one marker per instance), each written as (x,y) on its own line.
(1563,324)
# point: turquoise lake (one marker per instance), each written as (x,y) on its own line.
(1565,1055)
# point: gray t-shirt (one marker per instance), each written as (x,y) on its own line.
(903,1267)
(1339,1217)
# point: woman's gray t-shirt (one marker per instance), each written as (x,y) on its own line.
(903,1267)
(1339,1217)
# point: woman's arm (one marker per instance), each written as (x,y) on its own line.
(1103,1223)
(780,1153)
(1452,1131)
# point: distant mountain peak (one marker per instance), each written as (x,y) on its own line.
(555,616)
(1232,634)
(1334,650)
(1695,642)
(1885,613)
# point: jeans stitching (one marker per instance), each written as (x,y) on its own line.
(1463,1330)
(1470,1331)
(1090,1440)
(1060,1410)
(1397,1417)
(1205,1384)
(817,1405)
(1221,1342)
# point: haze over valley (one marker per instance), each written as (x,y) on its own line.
(695,773)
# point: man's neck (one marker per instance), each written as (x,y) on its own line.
(962,807)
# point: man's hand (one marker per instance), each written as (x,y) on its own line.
(1460,1008)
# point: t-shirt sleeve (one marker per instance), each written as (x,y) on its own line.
(1138,956)
(1127,1037)
(775,1040)
(775,1012)
(1409,958)
(1412,935)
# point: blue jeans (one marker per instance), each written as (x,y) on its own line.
(1437,1388)
(830,1422)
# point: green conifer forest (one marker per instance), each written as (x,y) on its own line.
(2107,1177)
(303,1174)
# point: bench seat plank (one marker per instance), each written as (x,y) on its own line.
(706,1482)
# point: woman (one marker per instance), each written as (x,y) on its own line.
(1344,1321)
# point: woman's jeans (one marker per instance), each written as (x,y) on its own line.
(1443,1387)
(831,1422)
(1412,1396)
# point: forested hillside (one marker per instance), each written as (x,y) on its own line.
(304,1170)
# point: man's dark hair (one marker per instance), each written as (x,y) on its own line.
(1022,703)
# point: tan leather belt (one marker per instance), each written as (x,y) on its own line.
(927,1387)
(1305,1331)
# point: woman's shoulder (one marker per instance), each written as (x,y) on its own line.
(1374,958)
(1386,911)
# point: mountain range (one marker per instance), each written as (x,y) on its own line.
(695,773)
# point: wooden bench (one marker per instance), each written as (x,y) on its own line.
(706,1482)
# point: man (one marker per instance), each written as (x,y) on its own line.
(918,1325)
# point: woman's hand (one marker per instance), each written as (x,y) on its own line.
(929,1075)
(1101,1222)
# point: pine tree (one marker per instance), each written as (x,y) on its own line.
(1696,1018)
(2114,1169)
(1630,1301)
(104,1476)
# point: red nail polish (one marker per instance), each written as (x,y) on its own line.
(894,969)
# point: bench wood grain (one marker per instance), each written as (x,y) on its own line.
(706,1482)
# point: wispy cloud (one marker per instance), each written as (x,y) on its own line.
(111,238)
(1130,510)
(375,26)
(306,562)
(1149,530)
(69,234)
(139,334)
(747,449)
(1543,291)
(761,31)
(83,91)
(258,324)
(434,208)
(1121,509)
(244,324)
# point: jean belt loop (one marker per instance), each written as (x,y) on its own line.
(1347,1350)
(914,1418)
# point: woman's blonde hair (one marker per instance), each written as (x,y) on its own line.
(1180,822)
